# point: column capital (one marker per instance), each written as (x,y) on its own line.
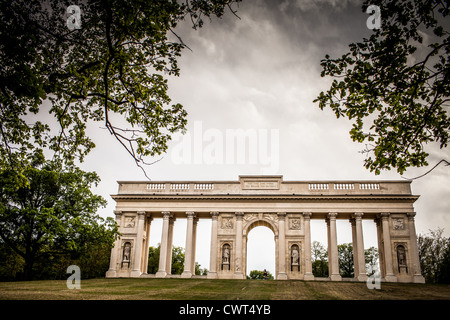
(239,215)
(358,215)
(166,214)
(118,212)
(281,215)
(332,215)
(214,215)
(190,214)
(307,215)
(385,215)
(141,214)
(411,215)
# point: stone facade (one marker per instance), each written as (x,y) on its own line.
(285,207)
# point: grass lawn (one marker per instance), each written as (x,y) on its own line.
(204,289)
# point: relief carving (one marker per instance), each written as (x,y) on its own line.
(227,223)
(250,216)
(271,217)
(398,224)
(295,224)
(129,222)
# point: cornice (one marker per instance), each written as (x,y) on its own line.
(265,197)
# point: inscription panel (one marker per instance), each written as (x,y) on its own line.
(257,185)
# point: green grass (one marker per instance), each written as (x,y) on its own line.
(204,289)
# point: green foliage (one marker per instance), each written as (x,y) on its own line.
(259,275)
(319,257)
(177,261)
(434,254)
(113,69)
(371,260)
(53,213)
(398,78)
(345,255)
(199,271)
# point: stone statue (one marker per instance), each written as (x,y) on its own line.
(294,256)
(226,255)
(126,252)
(401,256)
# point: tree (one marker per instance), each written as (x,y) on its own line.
(434,256)
(444,268)
(107,64)
(259,275)
(345,256)
(399,80)
(319,257)
(199,271)
(177,259)
(53,212)
(371,260)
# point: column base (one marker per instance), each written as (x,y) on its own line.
(308,277)
(390,278)
(282,276)
(335,277)
(418,279)
(186,274)
(239,276)
(211,275)
(161,274)
(362,277)
(111,274)
(135,274)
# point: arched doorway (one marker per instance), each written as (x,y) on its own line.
(261,247)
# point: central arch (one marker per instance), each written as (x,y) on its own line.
(248,227)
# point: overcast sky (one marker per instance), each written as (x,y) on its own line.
(263,72)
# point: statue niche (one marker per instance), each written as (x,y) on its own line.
(401,259)
(126,254)
(226,254)
(295,258)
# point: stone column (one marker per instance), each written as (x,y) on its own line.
(417,274)
(308,263)
(360,259)
(136,272)
(332,248)
(212,274)
(187,273)
(389,277)
(162,271)
(282,246)
(355,247)
(380,247)
(112,272)
(170,245)
(238,274)
(147,244)
(194,244)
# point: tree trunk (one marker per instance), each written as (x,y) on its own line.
(28,268)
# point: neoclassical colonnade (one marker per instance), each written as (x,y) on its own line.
(286,207)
